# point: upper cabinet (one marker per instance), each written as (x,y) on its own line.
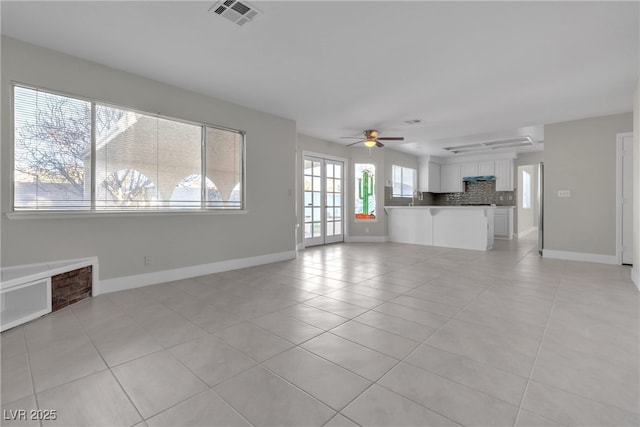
(429,176)
(504,174)
(437,177)
(468,169)
(486,167)
(451,178)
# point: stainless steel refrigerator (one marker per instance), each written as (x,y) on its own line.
(540,207)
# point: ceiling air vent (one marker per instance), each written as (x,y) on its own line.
(490,145)
(238,12)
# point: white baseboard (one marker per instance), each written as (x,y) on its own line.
(300,247)
(366,239)
(139,280)
(635,276)
(527,231)
(579,256)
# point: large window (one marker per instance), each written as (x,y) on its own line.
(404,181)
(72,154)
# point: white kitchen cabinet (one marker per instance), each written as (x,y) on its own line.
(486,167)
(468,169)
(464,227)
(504,174)
(450,178)
(503,222)
(434,177)
(429,177)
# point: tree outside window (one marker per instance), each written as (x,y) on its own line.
(140,159)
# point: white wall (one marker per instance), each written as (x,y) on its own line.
(530,158)
(580,156)
(174,241)
(635,273)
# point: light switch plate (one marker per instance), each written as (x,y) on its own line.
(564,193)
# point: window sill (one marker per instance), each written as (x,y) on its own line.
(366,221)
(106,214)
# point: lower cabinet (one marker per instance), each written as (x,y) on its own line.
(503,222)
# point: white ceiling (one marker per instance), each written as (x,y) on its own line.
(471,71)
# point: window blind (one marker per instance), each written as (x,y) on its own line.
(142,161)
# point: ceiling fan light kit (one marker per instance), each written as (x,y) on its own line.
(371,139)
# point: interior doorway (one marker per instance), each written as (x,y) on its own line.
(528,201)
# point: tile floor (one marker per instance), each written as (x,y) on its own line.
(346,335)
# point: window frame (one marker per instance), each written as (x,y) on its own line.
(93,211)
(393,182)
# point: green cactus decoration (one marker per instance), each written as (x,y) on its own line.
(365,190)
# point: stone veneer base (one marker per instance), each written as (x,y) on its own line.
(71,287)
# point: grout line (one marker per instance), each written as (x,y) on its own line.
(398,361)
(113,375)
(535,360)
(33,383)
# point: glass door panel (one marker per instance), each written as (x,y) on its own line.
(312,201)
(322,180)
(333,193)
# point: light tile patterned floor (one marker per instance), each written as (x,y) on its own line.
(346,335)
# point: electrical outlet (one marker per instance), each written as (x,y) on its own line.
(564,193)
(147,260)
(366,229)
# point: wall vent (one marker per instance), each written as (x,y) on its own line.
(238,12)
(490,145)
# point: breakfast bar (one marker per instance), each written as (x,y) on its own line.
(462,227)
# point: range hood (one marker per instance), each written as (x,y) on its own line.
(479,178)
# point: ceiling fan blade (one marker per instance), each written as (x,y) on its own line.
(351,137)
(379,144)
(391,138)
(357,142)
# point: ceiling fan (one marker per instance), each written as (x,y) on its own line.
(371,139)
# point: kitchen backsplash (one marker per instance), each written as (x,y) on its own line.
(480,193)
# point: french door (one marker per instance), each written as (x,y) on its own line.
(323,201)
